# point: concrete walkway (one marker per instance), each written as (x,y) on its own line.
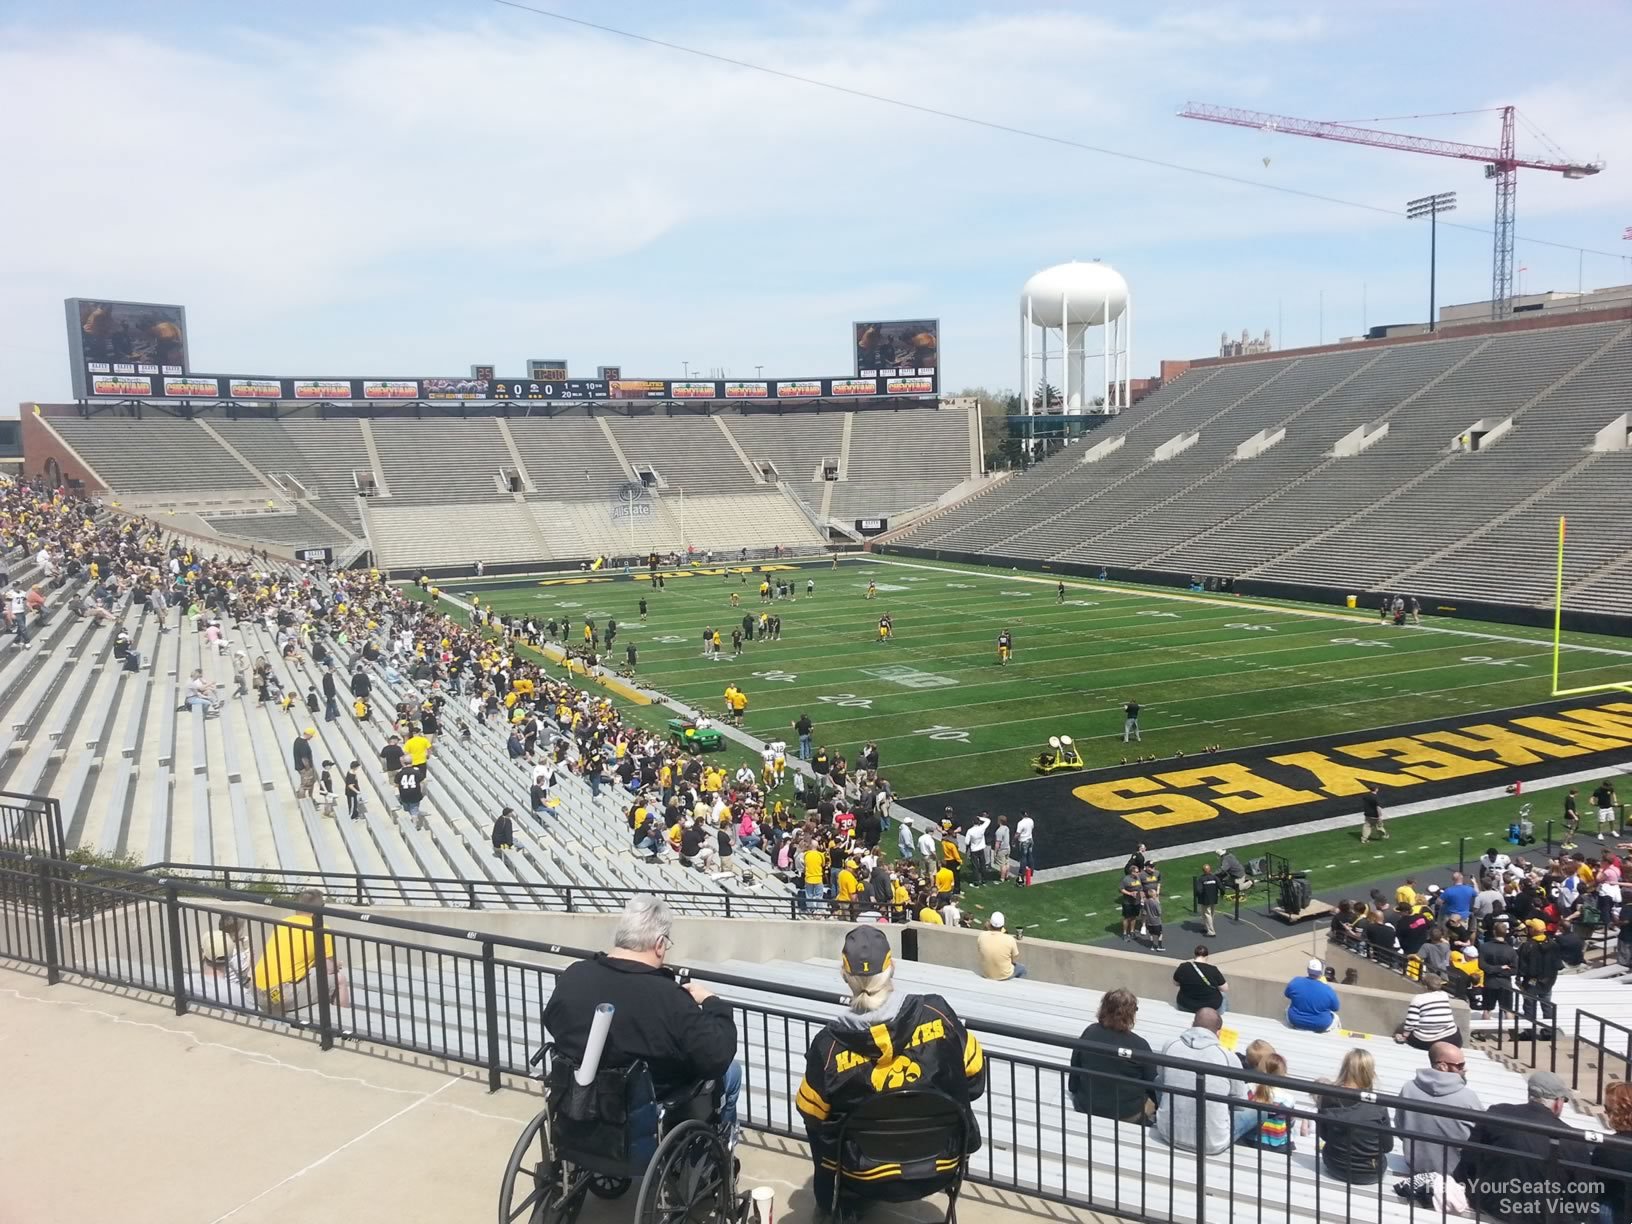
(118,1109)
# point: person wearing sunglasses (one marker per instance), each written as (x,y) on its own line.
(1430,1142)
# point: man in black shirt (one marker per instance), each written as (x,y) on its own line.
(1130,722)
(392,755)
(1200,982)
(684,1033)
(1104,1083)
(1372,825)
(803,727)
(1207,893)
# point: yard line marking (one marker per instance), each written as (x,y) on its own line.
(1352,862)
(1329,867)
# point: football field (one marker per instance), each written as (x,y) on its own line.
(1206,670)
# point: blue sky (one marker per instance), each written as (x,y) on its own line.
(409,187)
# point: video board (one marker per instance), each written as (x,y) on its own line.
(900,348)
(135,341)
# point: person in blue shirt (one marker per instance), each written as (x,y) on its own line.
(1458,897)
(1312,1004)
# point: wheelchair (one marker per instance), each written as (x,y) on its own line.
(601,1139)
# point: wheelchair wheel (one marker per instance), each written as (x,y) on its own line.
(690,1180)
(603,1187)
(536,1189)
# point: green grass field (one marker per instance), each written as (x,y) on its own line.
(945,715)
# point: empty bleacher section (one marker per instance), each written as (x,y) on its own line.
(155,455)
(455,462)
(322,455)
(538,530)
(797,445)
(899,461)
(568,456)
(688,453)
(1413,509)
(544,488)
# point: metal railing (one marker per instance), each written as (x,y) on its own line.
(362,888)
(1610,1045)
(1048,1114)
(31,824)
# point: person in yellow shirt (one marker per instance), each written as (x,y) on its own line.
(288,959)
(417,748)
(930,911)
(1406,894)
(944,880)
(849,888)
(815,872)
(951,855)
(739,706)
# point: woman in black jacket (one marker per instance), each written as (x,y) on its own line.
(1355,1135)
(1129,1096)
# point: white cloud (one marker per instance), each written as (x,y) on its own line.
(401,197)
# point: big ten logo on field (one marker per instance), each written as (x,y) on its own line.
(1440,753)
(908,677)
(889,586)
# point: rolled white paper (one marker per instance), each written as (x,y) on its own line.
(591,1062)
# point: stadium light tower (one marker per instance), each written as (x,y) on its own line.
(1431,206)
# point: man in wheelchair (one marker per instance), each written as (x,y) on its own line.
(887,1090)
(683,1035)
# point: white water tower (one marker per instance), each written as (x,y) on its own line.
(1059,307)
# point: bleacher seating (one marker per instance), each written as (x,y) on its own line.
(137,776)
(1411,511)
(438,461)
(156,454)
(279,483)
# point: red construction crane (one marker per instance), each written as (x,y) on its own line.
(1501,164)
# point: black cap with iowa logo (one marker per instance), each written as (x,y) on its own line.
(866,951)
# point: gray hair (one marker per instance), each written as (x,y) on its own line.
(870,992)
(646,921)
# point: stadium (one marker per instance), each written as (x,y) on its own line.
(352,719)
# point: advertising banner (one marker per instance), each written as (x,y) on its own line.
(808,388)
(323,389)
(904,346)
(193,387)
(909,386)
(639,388)
(456,388)
(747,390)
(693,390)
(390,388)
(872,526)
(121,384)
(255,388)
(855,386)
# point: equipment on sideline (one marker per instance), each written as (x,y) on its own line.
(1061,753)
